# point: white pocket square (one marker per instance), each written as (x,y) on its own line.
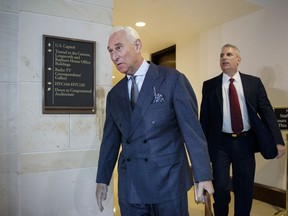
(157,96)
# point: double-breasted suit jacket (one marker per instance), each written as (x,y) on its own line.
(261,115)
(153,165)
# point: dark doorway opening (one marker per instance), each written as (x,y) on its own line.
(166,57)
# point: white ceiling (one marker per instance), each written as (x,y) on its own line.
(168,21)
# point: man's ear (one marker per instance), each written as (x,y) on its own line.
(138,45)
(239,60)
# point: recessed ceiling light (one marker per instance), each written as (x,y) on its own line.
(140,24)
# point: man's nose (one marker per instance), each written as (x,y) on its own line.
(114,56)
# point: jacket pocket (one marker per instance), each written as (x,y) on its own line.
(169,159)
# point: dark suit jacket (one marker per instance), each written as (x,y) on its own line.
(261,115)
(153,166)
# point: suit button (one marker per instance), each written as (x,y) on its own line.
(153,122)
(128,159)
(145,141)
(146,159)
(128,141)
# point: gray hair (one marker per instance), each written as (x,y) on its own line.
(131,33)
(234,47)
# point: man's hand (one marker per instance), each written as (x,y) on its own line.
(101,194)
(205,185)
(281,150)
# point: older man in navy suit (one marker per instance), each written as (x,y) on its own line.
(228,144)
(156,134)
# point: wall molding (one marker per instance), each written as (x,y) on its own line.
(271,195)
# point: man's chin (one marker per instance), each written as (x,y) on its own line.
(122,70)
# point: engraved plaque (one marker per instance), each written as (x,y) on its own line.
(68,75)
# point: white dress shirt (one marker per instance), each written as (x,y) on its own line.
(226,106)
(140,76)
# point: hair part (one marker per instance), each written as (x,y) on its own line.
(131,33)
(234,47)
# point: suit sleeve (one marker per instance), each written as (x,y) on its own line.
(266,113)
(204,115)
(109,147)
(186,107)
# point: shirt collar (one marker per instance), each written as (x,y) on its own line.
(226,78)
(142,70)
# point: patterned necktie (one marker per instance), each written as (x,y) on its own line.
(236,117)
(134,91)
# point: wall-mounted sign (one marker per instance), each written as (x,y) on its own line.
(282,117)
(68,84)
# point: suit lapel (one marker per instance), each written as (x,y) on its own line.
(247,89)
(146,96)
(124,105)
(219,92)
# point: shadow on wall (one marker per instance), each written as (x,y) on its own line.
(273,172)
(278,97)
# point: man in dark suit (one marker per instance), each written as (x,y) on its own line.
(154,174)
(258,129)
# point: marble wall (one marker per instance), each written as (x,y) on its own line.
(48,162)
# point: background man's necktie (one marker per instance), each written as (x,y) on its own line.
(134,91)
(236,117)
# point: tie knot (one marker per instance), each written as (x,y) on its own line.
(133,78)
(231,80)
